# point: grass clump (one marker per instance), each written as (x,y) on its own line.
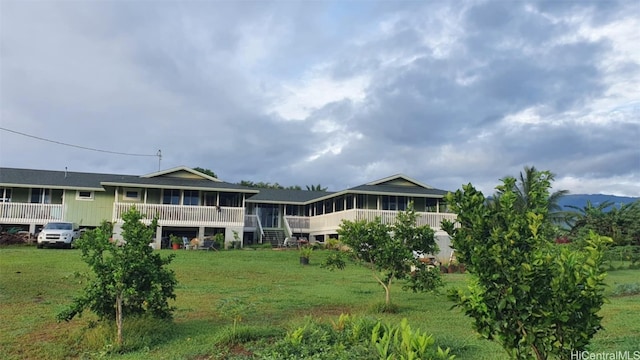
(143,332)
(353,337)
(626,289)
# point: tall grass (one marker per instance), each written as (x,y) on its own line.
(272,291)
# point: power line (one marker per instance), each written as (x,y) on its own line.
(80,147)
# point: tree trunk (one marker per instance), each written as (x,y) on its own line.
(119,318)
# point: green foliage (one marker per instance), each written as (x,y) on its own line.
(626,289)
(332,244)
(335,260)
(306,251)
(316,188)
(356,338)
(536,298)
(392,257)
(235,308)
(622,224)
(131,271)
(392,342)
(219,240)
(629,254)
(206,172)
(175,239)
(267,185)
(143,332)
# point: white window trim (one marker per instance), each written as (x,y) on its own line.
(84,198)
(126,198)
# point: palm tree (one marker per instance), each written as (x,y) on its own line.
(316,188)
(524,186)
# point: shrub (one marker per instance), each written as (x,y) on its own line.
(355,338)
(626,289)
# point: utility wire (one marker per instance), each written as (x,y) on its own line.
(78,146)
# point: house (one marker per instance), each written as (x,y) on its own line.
(189,203)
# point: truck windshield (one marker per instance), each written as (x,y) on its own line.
(58,226)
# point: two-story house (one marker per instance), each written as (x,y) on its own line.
(189,203)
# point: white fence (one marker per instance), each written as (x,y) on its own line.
(330,222)
(26,213)
(180,215)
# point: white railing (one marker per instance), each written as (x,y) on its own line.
(25,213)
(329,222)
(298,222)
(253,221)
(185,215)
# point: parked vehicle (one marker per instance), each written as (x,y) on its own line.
(59,233)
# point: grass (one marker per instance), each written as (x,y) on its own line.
(266,292)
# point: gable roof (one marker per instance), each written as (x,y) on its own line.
(398,179)
(14,177)
(57,179)
(398,185)
(177,171)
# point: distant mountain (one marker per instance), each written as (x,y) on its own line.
(580,200)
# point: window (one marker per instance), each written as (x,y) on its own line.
(84,195)
(328,206)
(339,204)
(131,194)
(349,200)
(231,199)
(5,195)
(210,199)
(41,196)
(361,201)
(394,203)
(191,197)
(171,197)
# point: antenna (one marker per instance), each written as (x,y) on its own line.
(159,155)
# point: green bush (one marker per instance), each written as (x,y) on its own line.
(626,289)
(355,338)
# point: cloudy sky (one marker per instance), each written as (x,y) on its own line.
(332,92)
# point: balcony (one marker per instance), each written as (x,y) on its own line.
(26,213)
(331,222)
(180,215)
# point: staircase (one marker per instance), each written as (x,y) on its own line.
(274,236)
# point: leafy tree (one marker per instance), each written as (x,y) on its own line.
(389,250)
(206,172)
(316,188)
(525,199)
(267,185)
(130,279)
(536,298)
(622,223)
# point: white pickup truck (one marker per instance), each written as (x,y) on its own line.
(59,233)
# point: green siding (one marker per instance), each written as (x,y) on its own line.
(90,212)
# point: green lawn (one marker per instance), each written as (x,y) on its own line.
(275,291)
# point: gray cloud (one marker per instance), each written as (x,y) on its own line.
(447,94)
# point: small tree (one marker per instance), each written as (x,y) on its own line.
(536,298)
(130,279)
(389,251)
